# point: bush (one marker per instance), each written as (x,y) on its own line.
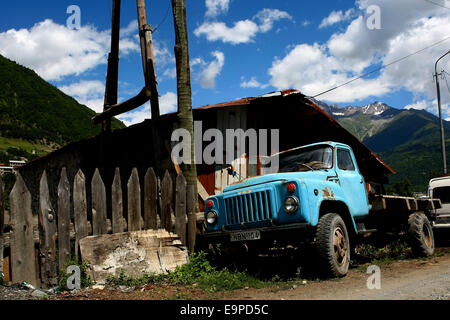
(63,276)
(199,272)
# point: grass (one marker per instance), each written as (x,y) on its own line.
(63,276)
(41,149)
(199,273)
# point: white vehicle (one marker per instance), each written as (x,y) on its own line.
(440,188)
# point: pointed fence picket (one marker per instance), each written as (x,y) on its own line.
(61,230)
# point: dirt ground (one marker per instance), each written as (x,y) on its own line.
(411,279)
(423,279)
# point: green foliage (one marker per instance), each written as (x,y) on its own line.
(34,110)
(199,272)
(394,250)
(401,188)
(63,275)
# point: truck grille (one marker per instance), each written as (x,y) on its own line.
(249,207)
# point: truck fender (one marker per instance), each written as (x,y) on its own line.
(341,208)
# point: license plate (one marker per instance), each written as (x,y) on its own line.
(246,236)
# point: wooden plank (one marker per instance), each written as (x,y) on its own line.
(22,245)
(180,208)
(202,191)
(166,200)
(64,219)
(98,204)
(134,202)
(6,269)
(150,200)
(79,209)
(2,222)
(379,204)
(117,204)
(192,218)
(47,231)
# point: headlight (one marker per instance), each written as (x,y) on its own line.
(211,217)
(291,204)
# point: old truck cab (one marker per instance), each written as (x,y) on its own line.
(439,188)
(316,194)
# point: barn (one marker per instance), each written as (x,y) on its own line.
(299,121)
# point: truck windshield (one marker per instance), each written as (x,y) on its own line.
(442,193)
(304,159)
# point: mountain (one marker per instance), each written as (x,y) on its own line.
(407,140)
(35,115)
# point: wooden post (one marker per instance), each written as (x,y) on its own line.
(2,221)
(166,208)
(134,202)
(63,219)
(47,226)
(192,217)
(150,200)
(79,209)
(180,208)
(112,77)
(148,59)
(117,204)
(185,117)
(98,205)
(22,241)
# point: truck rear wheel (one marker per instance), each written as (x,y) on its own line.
(420,235)
(333,245)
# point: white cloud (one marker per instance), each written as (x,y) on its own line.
(167,104)
(243,31)
(252,83)
(336,17)
(89,93)
(267,17)
(211,70)
(322,66)
(55,51)
(216,7)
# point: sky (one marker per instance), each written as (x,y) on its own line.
(240,49)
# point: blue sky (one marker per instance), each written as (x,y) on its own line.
(241,48)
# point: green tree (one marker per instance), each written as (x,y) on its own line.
(401,188)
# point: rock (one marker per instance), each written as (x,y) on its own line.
(294,286)
(38,294)
(53,290)
(98,287)
(136,253)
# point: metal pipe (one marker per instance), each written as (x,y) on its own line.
(444,156)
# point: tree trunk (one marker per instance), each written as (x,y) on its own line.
(185,118)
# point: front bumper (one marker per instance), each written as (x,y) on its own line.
(295,232)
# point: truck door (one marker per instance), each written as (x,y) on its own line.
(352,182)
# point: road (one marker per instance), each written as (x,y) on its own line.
(427,279)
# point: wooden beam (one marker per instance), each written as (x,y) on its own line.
(115,110)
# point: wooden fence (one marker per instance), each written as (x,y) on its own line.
(39,247)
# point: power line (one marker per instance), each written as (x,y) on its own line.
(437,4)
(445,77)
(380,68)
(164,19)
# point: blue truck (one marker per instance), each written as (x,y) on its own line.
(317,195)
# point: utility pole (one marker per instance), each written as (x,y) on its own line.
(112,77)
(148,59)
(185,117)
(444,156)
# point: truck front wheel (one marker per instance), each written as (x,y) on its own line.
(420,235)
(333,245)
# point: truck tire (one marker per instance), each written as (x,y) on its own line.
(420,235)
(333,245)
